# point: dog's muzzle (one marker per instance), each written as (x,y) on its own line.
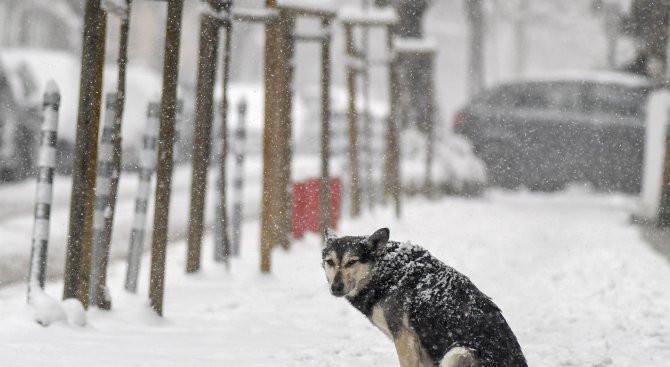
(337,288)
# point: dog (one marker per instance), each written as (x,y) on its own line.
(433,314)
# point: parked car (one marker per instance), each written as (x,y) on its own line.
(27,72)
(545,132)
(17,135)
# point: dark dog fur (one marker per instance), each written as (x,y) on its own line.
(433,313)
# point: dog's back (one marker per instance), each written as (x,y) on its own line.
(442,305)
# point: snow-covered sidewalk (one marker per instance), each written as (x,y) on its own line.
(574,279)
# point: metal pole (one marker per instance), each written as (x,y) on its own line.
(116,143)
(209,43)
(86,142)
(46,163)
(276,168)
(222,243)
(238,182)
(96,293)
(325,124)
(165,145)
(352,115)
(147,169)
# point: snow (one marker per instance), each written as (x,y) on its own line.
(597,76)
(374,16)
(45,309)
(573,278)
(415,45)
(658,115)
(325,6)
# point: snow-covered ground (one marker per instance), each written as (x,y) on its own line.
(573,277)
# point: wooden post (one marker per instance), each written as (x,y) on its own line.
(475,13)
(85,155)
(165,145)
(222,245)
(663,219)
(117,152)
(209,43)
(392,165)
(325,124)
(354,185)
(367,116)
(276,168)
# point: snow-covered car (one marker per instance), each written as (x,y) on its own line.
(548,131)
(29,70)
(15,134)
(455,168)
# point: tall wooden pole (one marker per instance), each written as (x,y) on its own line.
(103,300)
(209,43)
(222,248)
(165,145)
(325,124)
(392,182)
(475,13)
(276,136)
(352,116)
(85,155)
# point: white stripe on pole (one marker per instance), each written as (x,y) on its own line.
(147,162)
(102,191)
(238,181)
(46,162)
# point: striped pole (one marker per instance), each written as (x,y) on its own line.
(46,162)
(147,168)
(97,293)
(238,182)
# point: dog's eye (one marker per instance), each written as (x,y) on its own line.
(330,262)
(350,263)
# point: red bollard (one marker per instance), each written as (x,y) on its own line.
(306,211)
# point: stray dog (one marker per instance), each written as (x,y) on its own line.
(433,314)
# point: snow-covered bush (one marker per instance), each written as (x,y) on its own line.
(455,168)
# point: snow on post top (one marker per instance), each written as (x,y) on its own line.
(315,6)
(415,45)
(367,16)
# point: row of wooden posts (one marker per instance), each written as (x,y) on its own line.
(85,227)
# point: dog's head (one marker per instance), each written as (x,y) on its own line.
(348,261)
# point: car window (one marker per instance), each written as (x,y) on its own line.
(541,96)
(616,100)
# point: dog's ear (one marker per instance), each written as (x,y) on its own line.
(329,234)
(378,240)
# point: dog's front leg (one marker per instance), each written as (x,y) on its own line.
(408,348)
